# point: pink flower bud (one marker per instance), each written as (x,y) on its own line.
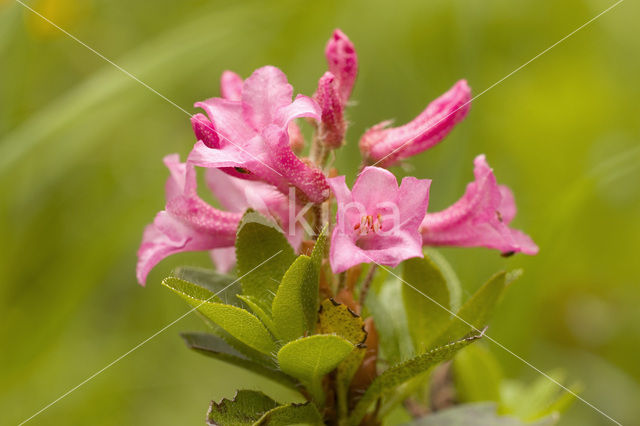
(343,63)
(332,125)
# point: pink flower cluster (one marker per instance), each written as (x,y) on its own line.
(249,141)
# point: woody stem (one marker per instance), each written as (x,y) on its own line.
(366,284)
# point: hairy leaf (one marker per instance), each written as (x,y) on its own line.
(400,373)
(259,310)
(217,348)
(426,301)
(264,255)
(244,409)
(295,307)
(234,320)
(335,318)
(288,308)
(291,414)
(310,358)
(224,285)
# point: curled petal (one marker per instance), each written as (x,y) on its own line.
(480,218)
(388,145)
(231,86)
(205,131)
(332,124)
(343,63)
(302,106)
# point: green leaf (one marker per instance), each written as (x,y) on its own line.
(291,414)
(244,409)
(483,413)
(236,321)
(259,310)
(452,280)
(401,373)
(214,347)
(288,307)
(335,318)
(226,286)
(264,255)
(389,314)
(295,307)
(477,375)
(476,312)
(537,399)
(248,352)
(310,358)
(426,300)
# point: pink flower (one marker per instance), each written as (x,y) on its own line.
(387,145)
(252,134)
(187,223)
(377,221)
(343,63)
(190,224)
(480,218)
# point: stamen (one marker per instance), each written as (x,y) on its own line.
(369,224)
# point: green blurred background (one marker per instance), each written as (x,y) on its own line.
(81,174)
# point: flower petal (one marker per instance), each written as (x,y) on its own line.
(389,145)
(224,258)
(414,196)
(205,131)
(167,236)
(263,95)
(477,219)
(344,253)
(373,186)
(231,86)
(302,106)
(227,120)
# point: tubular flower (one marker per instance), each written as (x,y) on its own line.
(190,224)
(480,218)
(377,221)
(246,129)
(387,145)
(186,224)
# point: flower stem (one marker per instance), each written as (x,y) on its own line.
(366,284)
